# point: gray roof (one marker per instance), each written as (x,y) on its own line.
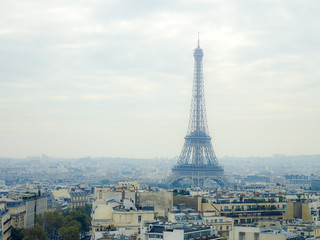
(77,193)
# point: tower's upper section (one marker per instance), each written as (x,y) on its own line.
(198,53)
(198,126)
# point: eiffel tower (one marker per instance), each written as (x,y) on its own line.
(197,161)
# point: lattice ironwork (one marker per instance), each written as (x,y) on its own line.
(197,161)
(197,149)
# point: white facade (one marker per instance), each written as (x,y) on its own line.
(176,234)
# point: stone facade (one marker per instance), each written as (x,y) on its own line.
(5,225)
(298,210)
(161,201)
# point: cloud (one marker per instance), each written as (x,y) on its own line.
(128,65)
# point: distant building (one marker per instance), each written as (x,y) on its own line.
(299,210)
(34,206)
(269,223)
(223,225)
(5,223)
(297,181)
(160,202)
(266,233)
(74,198)
(317,232)
(302,229)
(17,209)
(182,217)
(248,211)
(79,198)
(121,215)
(120,234)
(175,231)
(315,184)
(105,194)
(23,211)
(256,179)
(130,185)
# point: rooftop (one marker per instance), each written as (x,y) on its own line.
(164,227)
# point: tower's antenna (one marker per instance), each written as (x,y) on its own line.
(198,40)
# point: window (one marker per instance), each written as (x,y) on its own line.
(242,236)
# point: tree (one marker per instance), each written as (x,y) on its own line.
(80,217)
(51,222)
(87,209)
(35,233)
(70,233)
(16,234)
(180,192)
(73,223)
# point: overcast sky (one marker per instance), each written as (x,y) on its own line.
(114,78)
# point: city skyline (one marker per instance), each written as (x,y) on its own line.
(114,78)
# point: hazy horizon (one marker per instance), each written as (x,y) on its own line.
(114,78)
(173,158)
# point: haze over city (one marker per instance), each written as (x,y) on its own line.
(159,120)
(114,78)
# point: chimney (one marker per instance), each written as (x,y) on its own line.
(123,194)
